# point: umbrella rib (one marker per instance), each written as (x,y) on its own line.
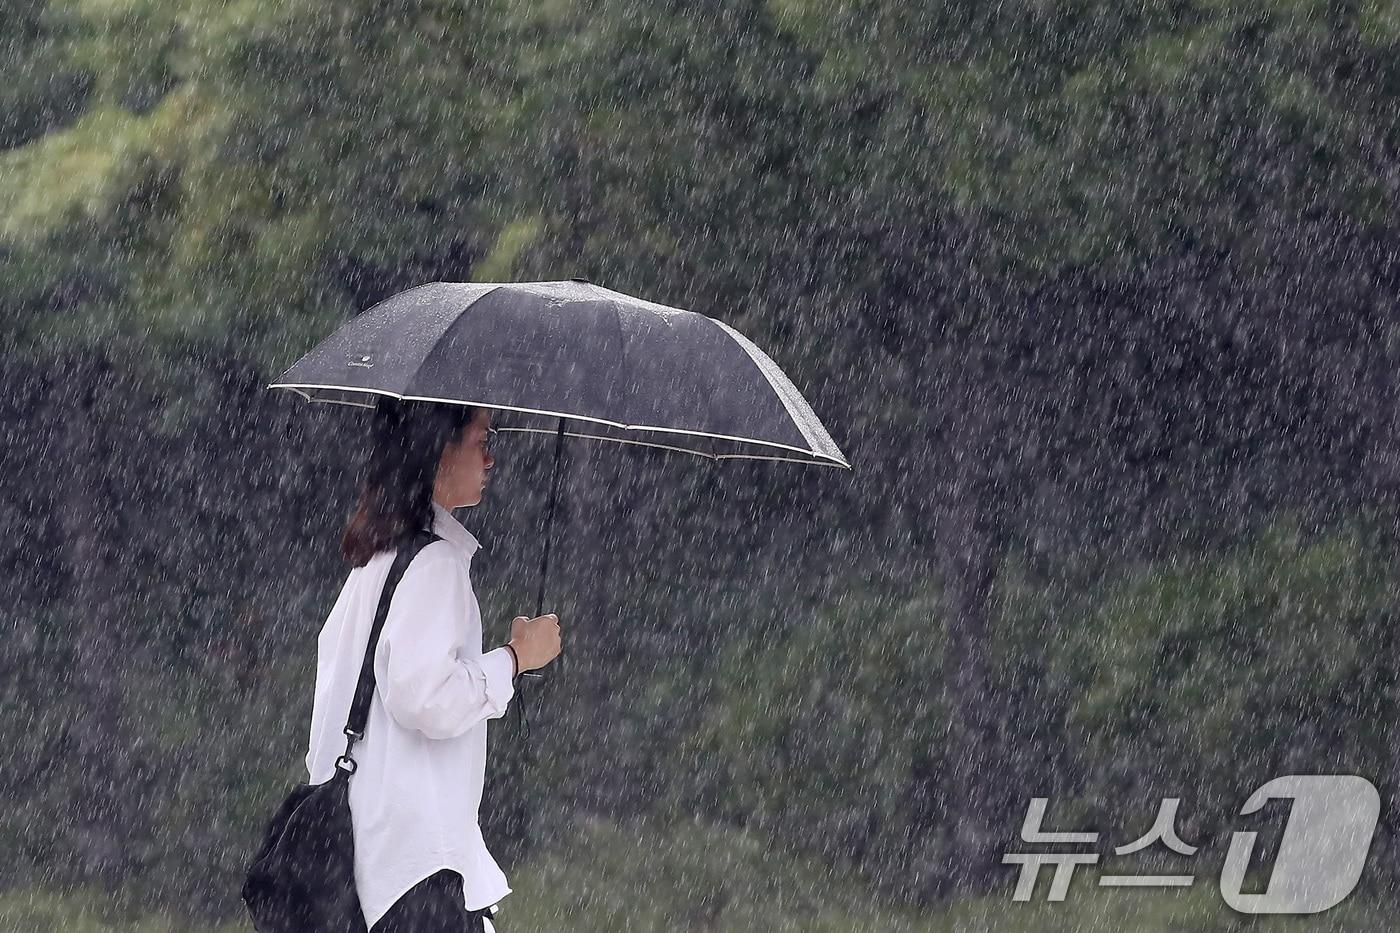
(796,406)
(834,460)
(684,450)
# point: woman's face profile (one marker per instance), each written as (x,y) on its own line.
(461,476)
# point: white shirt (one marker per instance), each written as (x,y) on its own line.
(420,766)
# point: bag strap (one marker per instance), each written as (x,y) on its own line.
(364,688)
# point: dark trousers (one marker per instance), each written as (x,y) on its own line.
(433,905)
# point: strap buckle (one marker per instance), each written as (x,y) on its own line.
(351,737)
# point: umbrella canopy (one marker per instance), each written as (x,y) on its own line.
(618,368)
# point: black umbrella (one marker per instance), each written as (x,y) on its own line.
(570,358)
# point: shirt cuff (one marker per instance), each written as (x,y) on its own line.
(498,666)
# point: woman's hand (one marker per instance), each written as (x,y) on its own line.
(536,641)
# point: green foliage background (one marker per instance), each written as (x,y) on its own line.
(1152,242)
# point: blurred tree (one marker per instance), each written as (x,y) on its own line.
(1074,132)
(935,200)
(1203,676)
(44,88)
(222,183)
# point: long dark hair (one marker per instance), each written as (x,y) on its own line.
(396,481)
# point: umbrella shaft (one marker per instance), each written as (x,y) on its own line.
(549,516)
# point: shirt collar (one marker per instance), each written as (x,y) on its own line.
(445,526)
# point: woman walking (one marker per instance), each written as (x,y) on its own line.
(421,864)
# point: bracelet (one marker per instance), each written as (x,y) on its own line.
(515,661)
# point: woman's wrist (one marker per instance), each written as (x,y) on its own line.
(515,659)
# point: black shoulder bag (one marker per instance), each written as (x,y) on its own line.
(303,878)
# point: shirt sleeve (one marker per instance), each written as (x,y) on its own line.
(430,679)
(498,665)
